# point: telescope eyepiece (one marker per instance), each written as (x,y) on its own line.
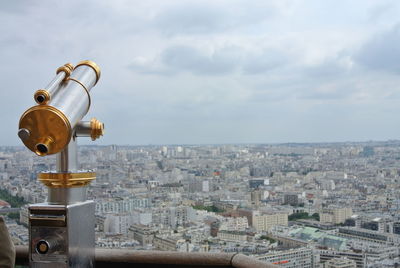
(42,149)
(42,96)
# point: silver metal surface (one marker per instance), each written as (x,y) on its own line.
(70,243)
(81,234)
(67,159)
(23,134)
(72,98)
(66,195)
(86,75)
(54,85)
(83,129)
(47,217)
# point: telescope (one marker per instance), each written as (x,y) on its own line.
(61,230)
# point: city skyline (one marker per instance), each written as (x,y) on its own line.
(294,206)
(213,72)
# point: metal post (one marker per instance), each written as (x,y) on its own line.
(67,162)
(67,159)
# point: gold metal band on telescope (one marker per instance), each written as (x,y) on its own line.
(93,65)
(87,91)
(67,69)
(96,129)
(66,180)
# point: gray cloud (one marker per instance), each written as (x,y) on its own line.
(329,68)
(211,17)
(268,60)
(382,51)
(14,7)
(221,61)
(380,11)
(185,58)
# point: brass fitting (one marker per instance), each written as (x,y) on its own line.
(67,69)
(97,129)
(42,96)
(93,65)
(43,147)
(66,180)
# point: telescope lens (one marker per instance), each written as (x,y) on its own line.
(42,148)
(42,247)
(40,98)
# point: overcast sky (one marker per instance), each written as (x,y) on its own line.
(208,71)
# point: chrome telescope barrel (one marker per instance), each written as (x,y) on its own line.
(43,96)
(47,128)
(73,98)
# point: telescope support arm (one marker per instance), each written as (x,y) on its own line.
(67,159)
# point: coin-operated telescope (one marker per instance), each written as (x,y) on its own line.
(61,230)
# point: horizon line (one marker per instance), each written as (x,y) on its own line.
(237,143)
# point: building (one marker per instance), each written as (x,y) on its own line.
(256,183)
(335,215)
(233,235)
(141,233)
(292,258)
(291,199)
(396,228)
(369,235)
(117,223)
(234,224)
(24,215)
(340,263)
(246,213)
(169,244)
(174,216)
(288,242)
(264,222)
(121,206)
(325,239)
(199,185)
(358,258)
(255,197)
